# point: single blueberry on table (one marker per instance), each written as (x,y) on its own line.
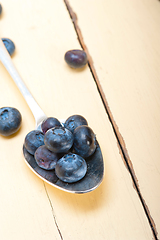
(76,58)
(71,168)
(58,139)
(10,46)
(50,123)
(84,141)
(45,158)
(10,120)
(33,140)
(0,9)
(75,121)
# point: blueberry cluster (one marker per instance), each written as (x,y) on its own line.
(63,148)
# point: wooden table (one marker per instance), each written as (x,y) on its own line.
(118,92)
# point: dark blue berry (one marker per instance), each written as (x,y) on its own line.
(48,175)
(75,121)
(76,58)
(58,139)
(84,141)
(71,168)
(10,121)
(0,9)
(50,123)
(33,140)
(9,45)
(45,158)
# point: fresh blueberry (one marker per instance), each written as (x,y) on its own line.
(9,45)
(76,58)
(58,139)
(50,123)
(0,9)
(10,121)
(84,141)
(33,140)
(45,158)
(75,121)
(71,168)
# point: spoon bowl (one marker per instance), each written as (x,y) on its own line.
(95,165)
(88,183)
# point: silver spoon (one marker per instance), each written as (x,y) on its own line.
(95,165)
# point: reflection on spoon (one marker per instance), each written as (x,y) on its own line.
(95,165)
(91,181)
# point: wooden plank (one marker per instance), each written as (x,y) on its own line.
(123,40)
(30,209)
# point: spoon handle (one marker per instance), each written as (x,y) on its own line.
(7,62)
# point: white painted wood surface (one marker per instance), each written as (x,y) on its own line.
(126,56)
(29,209)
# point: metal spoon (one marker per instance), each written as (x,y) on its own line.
(95,165)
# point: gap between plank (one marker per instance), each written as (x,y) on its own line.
(54,217)
(120,141)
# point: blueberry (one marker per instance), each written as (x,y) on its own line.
(9,45)
(33,140)
(76,58)
(10,121)
(0,9)
(75,121)
(84,141)
(45,158)
(71,168)
(50,123)
(58,139)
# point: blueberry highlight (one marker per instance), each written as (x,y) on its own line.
(75,121)
(84,141)
(33,140)
(76,58)
(50,123)
(58,139)
(10,46)
(10,121)
(71,168)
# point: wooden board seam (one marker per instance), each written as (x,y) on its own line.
(120,141)
(54,217)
